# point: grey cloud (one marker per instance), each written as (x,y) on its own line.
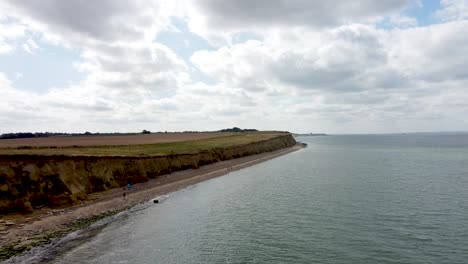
(122,58)
(435,54)
(103,19)
(253,84)
(246,13)
(97,107)
(230,112)
(359,98)
(452,10)
(135,70)
(314,78)
(339,65)
(136,86)
(385,78)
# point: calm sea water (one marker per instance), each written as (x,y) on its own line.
(344,199)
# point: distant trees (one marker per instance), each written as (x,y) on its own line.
(42,135)
(26,135)
(18,135)
(236,129)
(145,131)
(55,134)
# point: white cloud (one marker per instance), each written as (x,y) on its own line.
(18,75)
(353,73)
(5,83)
(30,46)
(403,21)
(431,54)
(332,59)
(453,10)
(142,68)
(125,70)
(16,106)
(9,33)
(5,48)
(314,66)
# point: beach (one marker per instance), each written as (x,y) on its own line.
(23,231)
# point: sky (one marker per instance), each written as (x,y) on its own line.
(334,66)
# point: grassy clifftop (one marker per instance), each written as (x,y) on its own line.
(160,149)
(43,176)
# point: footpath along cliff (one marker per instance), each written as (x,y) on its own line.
(30,181)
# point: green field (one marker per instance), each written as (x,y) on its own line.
(145,149)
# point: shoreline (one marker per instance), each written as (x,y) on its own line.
(19,233)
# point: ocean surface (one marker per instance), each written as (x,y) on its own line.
(343,199)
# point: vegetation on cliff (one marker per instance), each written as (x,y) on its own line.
(42,176)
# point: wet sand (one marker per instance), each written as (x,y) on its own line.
(21,228)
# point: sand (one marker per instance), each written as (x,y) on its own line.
(14,228)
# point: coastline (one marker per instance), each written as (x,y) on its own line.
(18,233)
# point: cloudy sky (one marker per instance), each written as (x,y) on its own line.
(334,66)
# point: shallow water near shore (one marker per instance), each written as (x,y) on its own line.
(344,199)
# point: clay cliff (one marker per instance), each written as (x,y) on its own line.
(31,181)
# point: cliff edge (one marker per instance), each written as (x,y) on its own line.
(30,181)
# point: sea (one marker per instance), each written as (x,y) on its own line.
(400,198)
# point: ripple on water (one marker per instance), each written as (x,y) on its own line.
(344,199)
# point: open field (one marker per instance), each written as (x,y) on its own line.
(177,143)
(68,141)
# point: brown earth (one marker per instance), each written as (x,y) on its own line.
(66,141)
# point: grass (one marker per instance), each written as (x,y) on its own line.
(183,147)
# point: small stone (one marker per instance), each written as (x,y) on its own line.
(8,223)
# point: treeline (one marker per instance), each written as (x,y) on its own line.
(54,134)
(28,135)
(236,129)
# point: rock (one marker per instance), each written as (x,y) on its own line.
(8,223)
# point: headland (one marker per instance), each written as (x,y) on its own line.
(54,190)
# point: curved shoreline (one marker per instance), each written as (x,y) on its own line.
(26,231)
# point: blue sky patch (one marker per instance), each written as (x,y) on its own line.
(424,13)
(50,66)
(184,43)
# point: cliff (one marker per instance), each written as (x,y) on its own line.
(31,181)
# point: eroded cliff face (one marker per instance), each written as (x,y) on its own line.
(31,181)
